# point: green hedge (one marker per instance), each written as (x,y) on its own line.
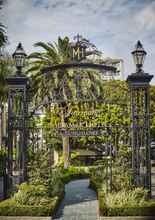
(2,161)
(10,208)
(73,173)
(131,211)
(145,209)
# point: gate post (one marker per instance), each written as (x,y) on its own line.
(17,126)
(17,129)
(138,83)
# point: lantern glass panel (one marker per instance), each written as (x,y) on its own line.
(140,57)
(19,60)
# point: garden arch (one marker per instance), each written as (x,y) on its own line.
(139,129)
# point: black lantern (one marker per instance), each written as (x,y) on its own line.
(19,56)
(139,56)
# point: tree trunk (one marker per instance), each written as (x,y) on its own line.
(1,134)
(66,151)
(65,141)
(56,157)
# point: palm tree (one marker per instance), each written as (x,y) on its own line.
(5,70)
(3,37)
(45,88)
(60,85)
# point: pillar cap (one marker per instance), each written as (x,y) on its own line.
(14,80)
(139,78)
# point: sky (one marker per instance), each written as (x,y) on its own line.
(114,26)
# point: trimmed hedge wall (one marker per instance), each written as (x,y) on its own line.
(73,173)
(131,211)
(146,209)
(9,208)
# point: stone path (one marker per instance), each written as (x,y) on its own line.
(153,182)
(79,203)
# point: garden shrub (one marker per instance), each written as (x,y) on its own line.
(121,172)
(2,161)
(74,173)
(50,178)
(29,194)
(126,203)
(9,207)
(30,200)
(54,183)
(98,176)
(126,197)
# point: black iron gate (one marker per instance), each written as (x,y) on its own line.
(136,133)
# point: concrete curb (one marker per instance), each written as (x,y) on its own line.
(128,218)
(100,218)
(24,218)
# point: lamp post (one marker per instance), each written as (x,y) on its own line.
(139,55)
(138,83)
(17,117)
(19,57)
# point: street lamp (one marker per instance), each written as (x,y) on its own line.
(19,57)
(139,83)
(139,56)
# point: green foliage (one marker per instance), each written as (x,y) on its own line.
(51,120)
(9,207)
(126,203)
(6,68)
(98,175)
(29,194)
(54,183)
(74,173)
(122,198)
(3,37)
(42,173)
(152,110)
(30,200)
(3,156)
(38,167)
(122,174)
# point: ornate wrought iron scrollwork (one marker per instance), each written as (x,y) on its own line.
(140,117)
(17,129)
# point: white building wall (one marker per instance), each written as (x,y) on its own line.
(118,63)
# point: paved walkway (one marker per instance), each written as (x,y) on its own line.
(153,182)
(79,203)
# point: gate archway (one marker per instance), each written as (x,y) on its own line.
(137,129)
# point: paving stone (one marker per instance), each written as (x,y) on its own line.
(79,203)
(153,182)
